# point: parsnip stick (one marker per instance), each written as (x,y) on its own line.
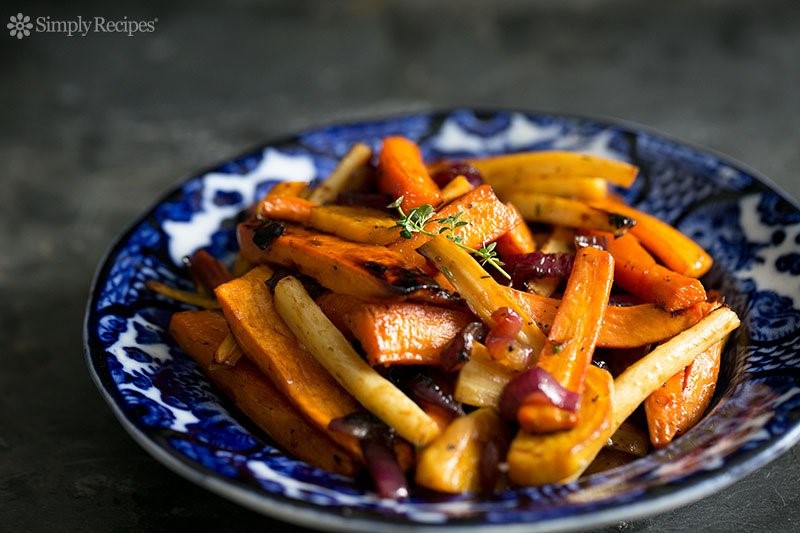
(549,209)
(327,344)
(341,177)
(636,383)
(228,352)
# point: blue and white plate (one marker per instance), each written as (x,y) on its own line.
(169,407)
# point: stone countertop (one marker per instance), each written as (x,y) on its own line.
(95,128)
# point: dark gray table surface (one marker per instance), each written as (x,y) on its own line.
(95,128)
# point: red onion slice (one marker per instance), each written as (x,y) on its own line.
(387,476)
(535,385)
(522,267)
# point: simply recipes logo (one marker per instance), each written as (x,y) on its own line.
(21,26)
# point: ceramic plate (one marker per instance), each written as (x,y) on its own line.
(167,405)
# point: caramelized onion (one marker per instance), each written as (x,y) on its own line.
(535,385)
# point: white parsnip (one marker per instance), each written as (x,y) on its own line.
(327,344)
(342,176)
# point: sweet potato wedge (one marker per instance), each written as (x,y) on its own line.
(396,333)
(487,219)
(362,270)
(266,340)
(198,333)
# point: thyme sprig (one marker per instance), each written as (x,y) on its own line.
(416,220)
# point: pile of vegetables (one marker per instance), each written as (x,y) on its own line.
(459,326)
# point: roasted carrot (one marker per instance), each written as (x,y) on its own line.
(198,333)
(638,273)
(403,333)
(675,250)
(207,271)
(487,218)
(513,170)
(623,326)
(288,208)
(266,340)
(681,401)
(402,172)
(289,188)
(363,270)
(518,239)
(572,338)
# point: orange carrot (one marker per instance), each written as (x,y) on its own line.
(395,333)
(572,338)
(682,400)
(487,218)
(198,333)
(402,172)
(289,188)
(638,273)
(207,271)
(675,250)
(518,239)
(289,208)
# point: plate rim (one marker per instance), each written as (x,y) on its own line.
(309,515)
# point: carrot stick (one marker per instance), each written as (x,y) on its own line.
(402,172)
(289,208)
(518,239)
(675,250)
(572,338)
(638,273)
(207,271)
(681,401)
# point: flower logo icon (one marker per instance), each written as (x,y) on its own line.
(19,26)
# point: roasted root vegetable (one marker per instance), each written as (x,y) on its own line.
(198,333)
(344,177)
(645,376)
(572,338)
(549,209)
(562,456)
(403,174)
(638,273)
(362,270)
(333,351)
(447,327)
(484,296)
(513,171)
(267,341)
(680,402)
(464,458)
(392,333)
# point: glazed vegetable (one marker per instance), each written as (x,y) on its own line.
(463,326)
(198,333)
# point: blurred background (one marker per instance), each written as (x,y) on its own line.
(95,128)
